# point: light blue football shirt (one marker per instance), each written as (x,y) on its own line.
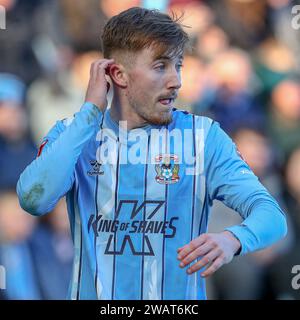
(135,197)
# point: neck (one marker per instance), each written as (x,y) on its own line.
(121,110)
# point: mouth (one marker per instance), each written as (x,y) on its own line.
(167,101)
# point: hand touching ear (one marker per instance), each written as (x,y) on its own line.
(98,85)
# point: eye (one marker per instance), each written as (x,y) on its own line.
(160,67)
(179,66)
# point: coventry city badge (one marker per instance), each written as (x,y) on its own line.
(167,168)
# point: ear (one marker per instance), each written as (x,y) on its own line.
(118,75)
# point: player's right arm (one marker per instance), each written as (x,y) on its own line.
(51,175)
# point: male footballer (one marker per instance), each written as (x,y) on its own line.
(140,176)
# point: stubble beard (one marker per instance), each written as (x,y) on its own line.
(158,118)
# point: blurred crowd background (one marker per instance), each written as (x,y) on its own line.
(243,70)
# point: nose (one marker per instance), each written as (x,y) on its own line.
(174,79)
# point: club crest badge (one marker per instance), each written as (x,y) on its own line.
(167,168)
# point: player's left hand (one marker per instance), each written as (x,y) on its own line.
(215,250)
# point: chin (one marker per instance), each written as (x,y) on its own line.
(162,120)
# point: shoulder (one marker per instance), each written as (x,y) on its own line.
(181,117)
(59,127)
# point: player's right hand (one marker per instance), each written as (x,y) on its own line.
(98,84)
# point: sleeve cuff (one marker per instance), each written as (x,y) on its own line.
(245,236)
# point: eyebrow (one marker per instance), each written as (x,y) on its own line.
(167,58)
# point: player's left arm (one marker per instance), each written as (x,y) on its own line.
(230,180)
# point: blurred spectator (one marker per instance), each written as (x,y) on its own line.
(246,276)
(62,93)
(284,118)
(112,7)
(211,42)
(273,63)
(280,20)
(52,253)
(233,103)
(15,229)
(25,20)
(256,149)
(194,84)
(281,271)
(197,16)
(83,23)
(243,21)
(37,257)
(16,148)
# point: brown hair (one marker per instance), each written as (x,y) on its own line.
(138,28)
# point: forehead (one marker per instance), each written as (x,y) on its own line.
(152,53)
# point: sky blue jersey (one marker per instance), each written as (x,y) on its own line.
(134,197)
